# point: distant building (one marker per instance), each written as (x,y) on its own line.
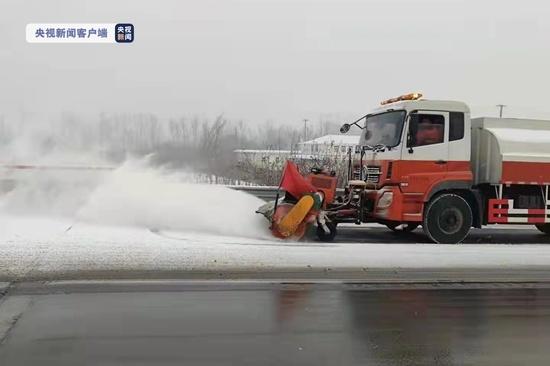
(324,146)
(329,145)
(257,157)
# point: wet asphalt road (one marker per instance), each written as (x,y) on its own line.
(260,323)
(494,234)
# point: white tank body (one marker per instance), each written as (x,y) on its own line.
(496,141)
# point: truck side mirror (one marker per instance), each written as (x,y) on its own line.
(345,128)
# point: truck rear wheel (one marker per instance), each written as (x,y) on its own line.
(447,219)
(544,228)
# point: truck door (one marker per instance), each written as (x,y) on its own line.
(426,151)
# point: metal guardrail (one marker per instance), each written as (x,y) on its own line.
(266,193)
(53,167)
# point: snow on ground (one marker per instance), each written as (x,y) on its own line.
(38,246)
(136,218)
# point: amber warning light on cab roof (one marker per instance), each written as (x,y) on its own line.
(411,96)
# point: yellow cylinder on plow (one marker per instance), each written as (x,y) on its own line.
(290,222)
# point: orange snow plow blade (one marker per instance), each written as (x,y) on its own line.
(289,223)
(300,207)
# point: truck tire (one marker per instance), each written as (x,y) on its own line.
(326,237)
(397,228)
(447,219)
(543,228)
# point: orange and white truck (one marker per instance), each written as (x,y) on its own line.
(426,162)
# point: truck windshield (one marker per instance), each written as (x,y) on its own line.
(384,128)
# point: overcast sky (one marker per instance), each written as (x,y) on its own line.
(281,60)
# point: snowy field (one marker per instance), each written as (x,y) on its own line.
(139,219)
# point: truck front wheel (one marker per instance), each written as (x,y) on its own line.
(323,236)
(447,219)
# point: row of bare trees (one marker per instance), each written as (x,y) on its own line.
(202,144)
(270,172)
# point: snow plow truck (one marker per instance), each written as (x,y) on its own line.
(426,163)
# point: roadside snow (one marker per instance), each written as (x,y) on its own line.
(40,246)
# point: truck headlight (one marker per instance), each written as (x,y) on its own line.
(385,200)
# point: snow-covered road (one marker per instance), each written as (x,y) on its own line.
(69,225)
(39,248)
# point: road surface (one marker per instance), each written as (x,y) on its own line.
(497,234)
(261,323)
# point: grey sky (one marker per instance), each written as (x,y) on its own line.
(279,60)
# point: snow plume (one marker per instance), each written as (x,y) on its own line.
(73,174)
(46,191)
(48,167)
(137,195)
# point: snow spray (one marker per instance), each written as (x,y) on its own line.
(138,195)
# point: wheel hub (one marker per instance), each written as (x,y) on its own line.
(451,220)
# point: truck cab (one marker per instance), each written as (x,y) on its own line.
(411,150)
